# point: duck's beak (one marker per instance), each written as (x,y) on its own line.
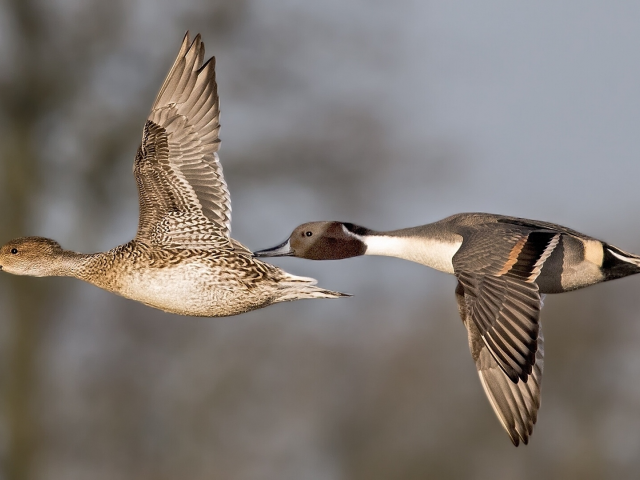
(282,250)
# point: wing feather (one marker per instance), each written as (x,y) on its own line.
(497,270)
(515,404)
(184,200)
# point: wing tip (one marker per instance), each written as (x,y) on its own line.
(517,437)
(197,44)
(187,43)
(517,418)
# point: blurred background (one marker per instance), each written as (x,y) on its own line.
(385,114)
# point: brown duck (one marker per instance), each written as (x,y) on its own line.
(183,259)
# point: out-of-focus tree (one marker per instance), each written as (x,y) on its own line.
(43,72)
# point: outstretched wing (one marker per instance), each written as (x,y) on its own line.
(515,404)
(184,201)
(497,274)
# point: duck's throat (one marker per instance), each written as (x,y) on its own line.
(432,252)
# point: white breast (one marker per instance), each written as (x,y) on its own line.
(431,252)
(179,288)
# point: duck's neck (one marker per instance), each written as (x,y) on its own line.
(68,264)
(421,245)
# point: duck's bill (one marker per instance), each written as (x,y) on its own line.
(282,250)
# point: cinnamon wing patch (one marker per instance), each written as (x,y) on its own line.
(497,249)
(531,257)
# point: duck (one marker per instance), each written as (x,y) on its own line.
(504,267)
(182,259)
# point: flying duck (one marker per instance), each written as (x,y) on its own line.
(183,259)
(504,266)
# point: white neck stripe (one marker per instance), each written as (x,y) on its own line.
(431,252)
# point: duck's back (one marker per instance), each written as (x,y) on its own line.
(575,261)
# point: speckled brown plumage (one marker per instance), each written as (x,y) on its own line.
(183,259)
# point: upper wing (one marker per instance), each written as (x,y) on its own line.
(497,272)
(184,201)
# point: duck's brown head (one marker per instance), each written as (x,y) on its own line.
(321,241)
(33,256)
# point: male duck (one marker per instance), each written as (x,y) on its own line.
(182,259)
(503,265)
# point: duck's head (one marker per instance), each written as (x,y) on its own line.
(33,256)
(321,241)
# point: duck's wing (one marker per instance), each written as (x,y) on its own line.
(515,404)
(497,268)
(184,201)
(538,224)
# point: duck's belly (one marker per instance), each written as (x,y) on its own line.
(190,289)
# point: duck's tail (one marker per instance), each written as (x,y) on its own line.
(296,288)
(617,263)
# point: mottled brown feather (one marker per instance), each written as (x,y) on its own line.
(184,200)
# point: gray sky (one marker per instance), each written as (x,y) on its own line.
(538,103)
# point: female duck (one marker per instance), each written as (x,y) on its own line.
(183,259)
(503,265)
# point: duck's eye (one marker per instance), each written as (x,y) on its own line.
(308,234)
(14,250)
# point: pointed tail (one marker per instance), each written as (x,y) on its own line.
(295,288)
(618,263)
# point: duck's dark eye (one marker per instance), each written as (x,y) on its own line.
(14,250)
(308,234)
